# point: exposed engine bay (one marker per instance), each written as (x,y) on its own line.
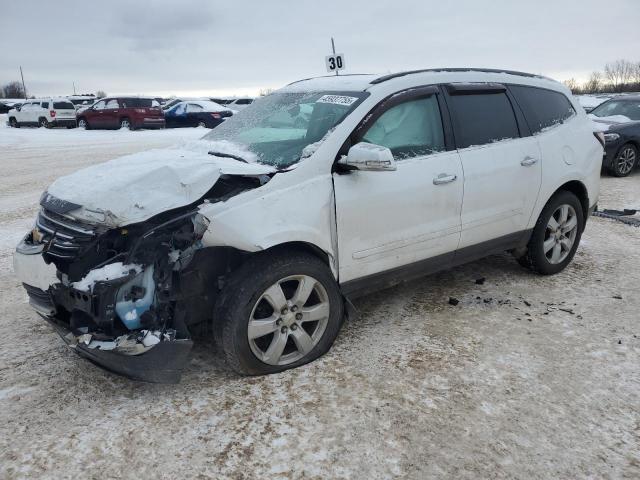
(126,297)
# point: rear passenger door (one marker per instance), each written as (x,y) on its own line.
(501,163)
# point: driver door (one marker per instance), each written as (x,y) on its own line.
(392,225)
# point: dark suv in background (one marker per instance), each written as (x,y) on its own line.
(122,112)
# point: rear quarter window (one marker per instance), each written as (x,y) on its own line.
(136,102)
(44,104)
(63,106)
(483,118)
(542,108)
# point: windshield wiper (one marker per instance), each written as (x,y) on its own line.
(227,155)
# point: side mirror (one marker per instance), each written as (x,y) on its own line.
(368,157)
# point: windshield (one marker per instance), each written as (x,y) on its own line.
(277,128)
(628,108)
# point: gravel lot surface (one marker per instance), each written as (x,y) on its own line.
(527,377)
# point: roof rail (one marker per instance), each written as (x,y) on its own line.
(328,76)
(384,78)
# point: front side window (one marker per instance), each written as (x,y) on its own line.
(542,108)
(100,105)
(481,118)
(628,108)
(277,128)
(410,129)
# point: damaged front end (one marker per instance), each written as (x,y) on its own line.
(121,297)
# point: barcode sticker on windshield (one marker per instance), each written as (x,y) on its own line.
(337,99)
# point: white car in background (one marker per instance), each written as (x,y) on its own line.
(44,112)
(319,192)
(239,103)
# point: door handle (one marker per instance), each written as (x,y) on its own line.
(444,178)
(528,161)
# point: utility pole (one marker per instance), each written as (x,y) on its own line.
(23,87)
(74,88)
(333,49)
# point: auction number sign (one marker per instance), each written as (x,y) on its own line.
(335,62)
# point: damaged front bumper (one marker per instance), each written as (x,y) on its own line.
(162,362)
(85,321)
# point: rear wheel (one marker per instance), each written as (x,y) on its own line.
(44,123)
(202,124)
(126,123)
(278,311)
(13,123)
(556,235)
(625,162)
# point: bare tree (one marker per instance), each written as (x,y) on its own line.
(101,94)
(265,91)
(13,90)
(636,73)
(594,84)
(619,73)
(572,85)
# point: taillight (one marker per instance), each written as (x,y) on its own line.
(600,137)
(52,113)
(217,116)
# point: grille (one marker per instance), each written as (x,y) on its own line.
(66,238)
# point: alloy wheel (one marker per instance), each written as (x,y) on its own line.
(82,124)
(288,320)
(125,124)
(560,234)
(626,160)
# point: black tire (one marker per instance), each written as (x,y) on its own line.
(13,123)
(620,167)
(202,124)
(244,289)
(42,122)
(126,123)
(535,258)
(86,124)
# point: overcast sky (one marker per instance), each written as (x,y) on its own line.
(237,47)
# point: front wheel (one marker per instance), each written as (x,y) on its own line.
(44,123)
(278,311)
(13,123)
(83,124)
(125,123)
(625,161)
(556,235)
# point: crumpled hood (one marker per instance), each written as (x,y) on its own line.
(136,187)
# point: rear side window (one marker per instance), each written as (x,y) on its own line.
(112,104)
(483,118)
(137,102)
(542,108)
(44,104)
(63,106)
(410,129)
(194,108)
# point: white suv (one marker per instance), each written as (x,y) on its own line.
(44,112)
(265,227)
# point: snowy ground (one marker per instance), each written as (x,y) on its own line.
(527,377)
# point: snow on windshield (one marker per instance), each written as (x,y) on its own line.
(276,129)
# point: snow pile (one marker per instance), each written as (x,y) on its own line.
(611,119)
(108,272)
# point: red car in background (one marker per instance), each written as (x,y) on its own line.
(122,112)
